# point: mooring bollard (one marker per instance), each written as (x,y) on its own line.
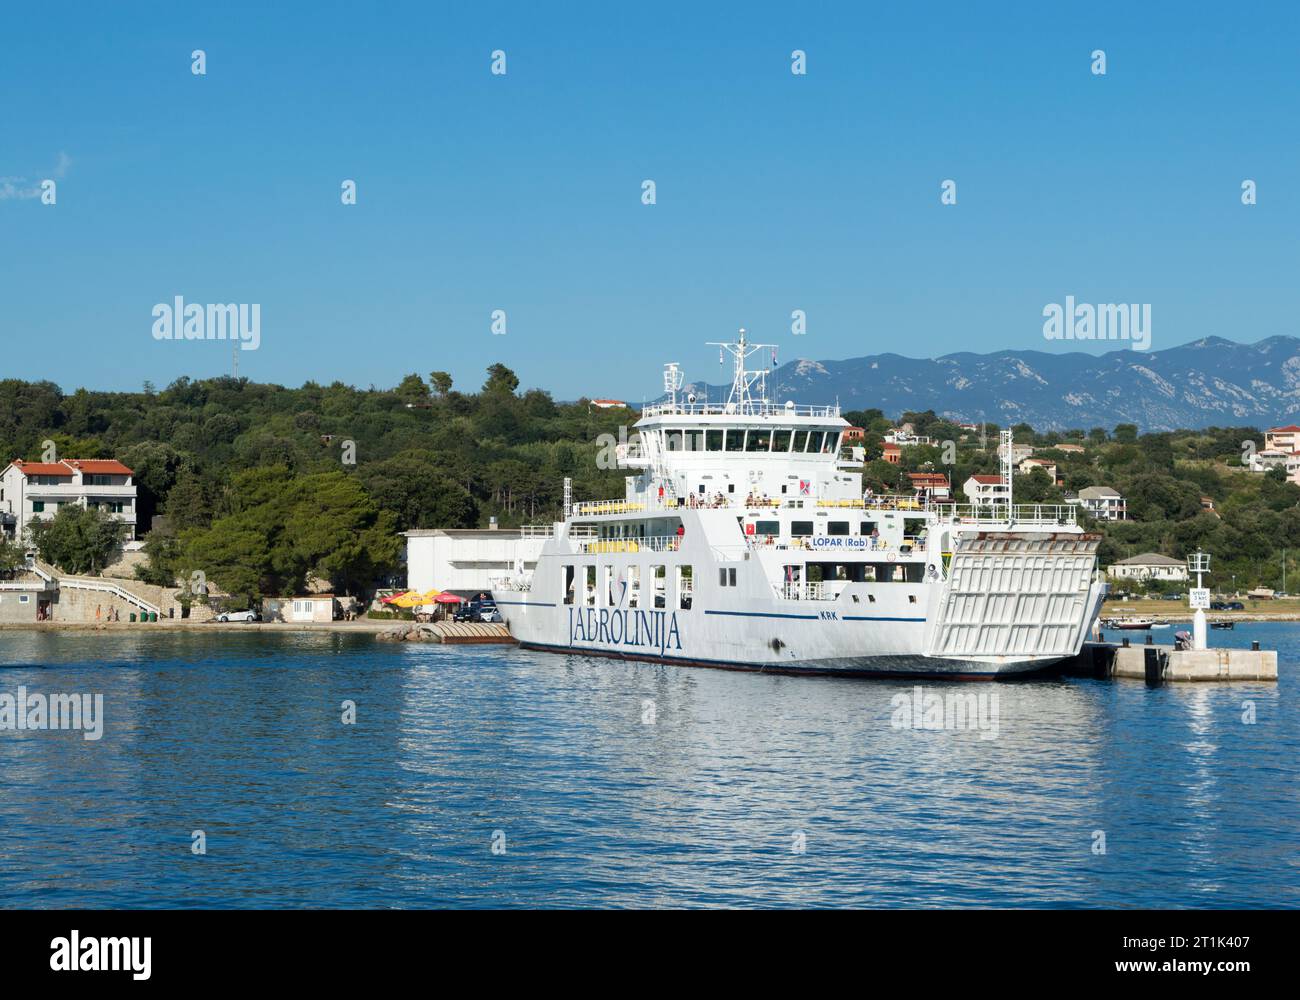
(1151,640)
(1151,666)
(1254,645)
(1126,642)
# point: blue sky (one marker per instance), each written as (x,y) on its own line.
(775,192)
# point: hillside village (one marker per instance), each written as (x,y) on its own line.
(311,496)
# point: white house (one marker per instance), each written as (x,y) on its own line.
(1103,503)
(1285,439)
(985,489)
(903,436)
(34,491)
(1149,566)
(468,559)
(1028,465)
(1267,458)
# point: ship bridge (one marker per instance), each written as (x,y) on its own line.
(744,446)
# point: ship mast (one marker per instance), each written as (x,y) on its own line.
(748,387)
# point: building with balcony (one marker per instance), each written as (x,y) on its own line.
(1285,439)
(1028,465)
(931,485)
(36,491)
(1103,503)
(986,489)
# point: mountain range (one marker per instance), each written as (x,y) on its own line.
(1208,382)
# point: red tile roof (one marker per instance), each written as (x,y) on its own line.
(1281,430)
(42,468)
(100,466)
(928,477)
(986,479)
(66,467)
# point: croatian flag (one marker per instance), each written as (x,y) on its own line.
(805,487)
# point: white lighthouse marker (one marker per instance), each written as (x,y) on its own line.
(1199,596)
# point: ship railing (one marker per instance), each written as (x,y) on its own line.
(751,409)
(999,515)
(589,507)
(881,502)
(811,590)
(537,531)
(616,546)
(517,584)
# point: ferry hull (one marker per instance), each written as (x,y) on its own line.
(879,667)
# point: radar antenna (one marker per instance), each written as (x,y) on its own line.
(748,386)
(673,378)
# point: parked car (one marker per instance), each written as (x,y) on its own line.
(238,616)
(477,610)
(1235,606)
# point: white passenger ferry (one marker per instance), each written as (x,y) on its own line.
(744,541)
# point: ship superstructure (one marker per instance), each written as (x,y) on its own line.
(744,541)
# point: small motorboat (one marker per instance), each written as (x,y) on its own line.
(1223,624)
(1130,624)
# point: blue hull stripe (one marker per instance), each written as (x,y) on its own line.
(774,614)
(759,614)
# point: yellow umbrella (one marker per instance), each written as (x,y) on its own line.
(429,595)
(408,600)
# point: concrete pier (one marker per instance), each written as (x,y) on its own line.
(454,633)
(1159,664)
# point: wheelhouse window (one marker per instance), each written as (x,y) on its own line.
(828,443)
(781,440)
(815,440)
(800,440)
(712,440)
(735,440)
(759,440)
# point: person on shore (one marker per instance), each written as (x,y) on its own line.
(99,612)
